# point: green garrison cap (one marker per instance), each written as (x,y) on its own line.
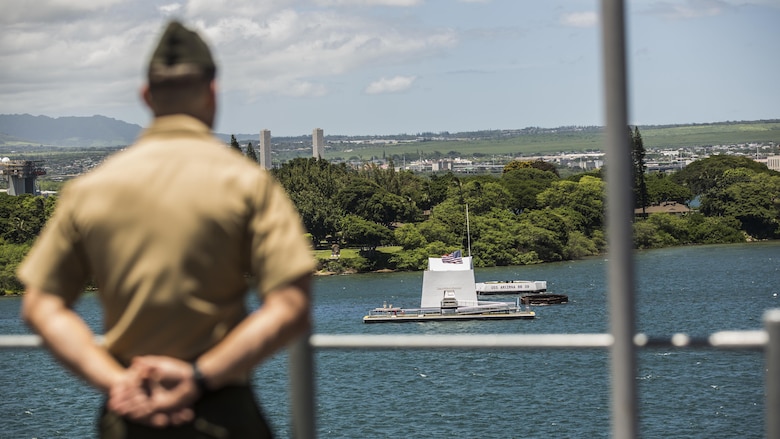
(181,55)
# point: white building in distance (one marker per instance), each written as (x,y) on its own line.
(265,149)
(773,162)
(318,143)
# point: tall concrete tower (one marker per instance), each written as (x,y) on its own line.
(265,149)
(318,143)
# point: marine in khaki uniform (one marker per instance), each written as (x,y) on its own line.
(170,230)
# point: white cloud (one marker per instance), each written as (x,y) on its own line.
(390,85)
(298,88)
(170,8)
(209,11)
(48,11)
(399,3)
(290,52)
(580,19)
(267,49)
(688,9)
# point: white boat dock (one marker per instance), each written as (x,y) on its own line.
(385,315)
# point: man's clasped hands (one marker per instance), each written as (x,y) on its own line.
(155,390)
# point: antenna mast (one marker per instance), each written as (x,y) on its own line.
(468,231)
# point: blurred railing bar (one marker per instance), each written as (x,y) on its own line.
(755,340)
(752,340)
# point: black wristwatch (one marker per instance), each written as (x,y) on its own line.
(200,380)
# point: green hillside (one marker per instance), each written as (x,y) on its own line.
(570,140)
(711,134)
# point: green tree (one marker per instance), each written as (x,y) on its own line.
(638,169)
(484,196)
(312,185)
(531,164)
(714,230)
(417,259)
(365,198)
(386,178)
(11,255)
(312,174)
(415,189)
(583,199)
(320,216)
(22,217)
(447,224)
(355,196)
(439,187)
(523,185)
(250,152)
(661,187)
(705,174)
(750,197)
(409,237)
(495,239)
(645,235)
(537,244)
(234,144)
(366,234)
(580,246)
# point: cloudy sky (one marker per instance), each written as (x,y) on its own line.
(399,66)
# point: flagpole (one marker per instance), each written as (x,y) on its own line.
(468,231)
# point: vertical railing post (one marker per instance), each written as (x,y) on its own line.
(772,354)
(620,208)
(301,375)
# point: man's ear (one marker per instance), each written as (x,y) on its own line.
(213,94)
(211,104)
(146,95)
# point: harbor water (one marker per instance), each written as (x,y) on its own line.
(445,393)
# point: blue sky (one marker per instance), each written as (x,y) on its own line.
(400,66)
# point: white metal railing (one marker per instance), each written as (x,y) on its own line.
(742,340)
(302,385)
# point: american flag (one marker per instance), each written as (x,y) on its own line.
(453,258)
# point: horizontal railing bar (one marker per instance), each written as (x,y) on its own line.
(720,340)
(26,341)
(20,341)
(478,341)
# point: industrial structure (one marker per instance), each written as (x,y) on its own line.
(318,143)
(265,149)
(22,175)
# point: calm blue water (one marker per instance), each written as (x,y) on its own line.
(487,394)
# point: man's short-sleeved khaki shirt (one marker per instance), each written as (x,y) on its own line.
(169,230)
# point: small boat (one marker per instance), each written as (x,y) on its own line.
(449,294)
(544,299)
(495,287)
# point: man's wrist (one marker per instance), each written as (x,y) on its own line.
(199,379)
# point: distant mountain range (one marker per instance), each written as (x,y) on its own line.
(25,129)
(92,131)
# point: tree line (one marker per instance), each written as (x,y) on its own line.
(527,215)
